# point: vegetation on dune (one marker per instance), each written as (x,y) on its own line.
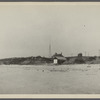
(43,60)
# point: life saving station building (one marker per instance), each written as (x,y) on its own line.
(58,58)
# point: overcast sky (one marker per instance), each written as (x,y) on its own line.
(26,30)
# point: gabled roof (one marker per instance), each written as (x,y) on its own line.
(60,58)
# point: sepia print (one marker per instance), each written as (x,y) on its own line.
(49,48)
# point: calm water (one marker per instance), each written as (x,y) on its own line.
(65,79)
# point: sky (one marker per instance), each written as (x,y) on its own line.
(27,30)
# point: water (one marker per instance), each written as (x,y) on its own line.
(64,79)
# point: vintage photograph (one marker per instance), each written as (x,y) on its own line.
(49,48)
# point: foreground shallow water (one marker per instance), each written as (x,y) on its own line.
(62,79)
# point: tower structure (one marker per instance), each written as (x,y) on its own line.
(49,50)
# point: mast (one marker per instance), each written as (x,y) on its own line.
(50,48)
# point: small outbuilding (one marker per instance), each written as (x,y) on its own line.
(58,58)
(79,59)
